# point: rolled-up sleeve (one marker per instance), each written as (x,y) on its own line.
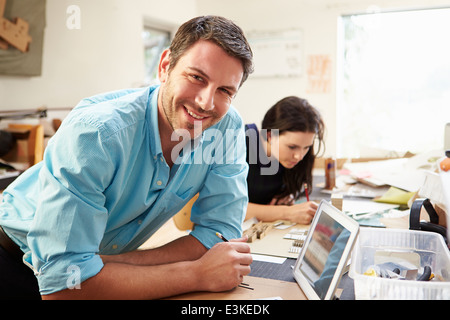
(71,217)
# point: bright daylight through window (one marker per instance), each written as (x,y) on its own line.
(395,89)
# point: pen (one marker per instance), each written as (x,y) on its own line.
(221,236)
(306,192)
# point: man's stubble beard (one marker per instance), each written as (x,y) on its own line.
(170,112)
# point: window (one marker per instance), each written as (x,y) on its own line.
(395,90)
(155,42)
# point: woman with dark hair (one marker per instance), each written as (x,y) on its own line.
(281,158)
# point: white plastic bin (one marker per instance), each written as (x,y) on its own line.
(427,248)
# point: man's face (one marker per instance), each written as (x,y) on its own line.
(199,89)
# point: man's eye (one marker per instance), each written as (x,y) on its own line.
(195,77)
(226,92)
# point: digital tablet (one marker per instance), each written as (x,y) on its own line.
(325,252)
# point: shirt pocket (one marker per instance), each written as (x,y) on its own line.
(170,203)
(176,200)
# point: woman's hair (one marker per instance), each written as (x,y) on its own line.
(296,115)
(220,31)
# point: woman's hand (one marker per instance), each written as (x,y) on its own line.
(302,213)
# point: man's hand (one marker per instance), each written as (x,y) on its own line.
(224,265)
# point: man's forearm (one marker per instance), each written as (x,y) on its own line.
(125,281)
(218,269)
(127,276)
(183,249)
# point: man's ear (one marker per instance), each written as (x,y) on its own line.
(268,135)
(163,68)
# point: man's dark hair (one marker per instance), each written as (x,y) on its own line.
(219,30)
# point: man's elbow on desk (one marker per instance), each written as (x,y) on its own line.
(117,281)
(220,269)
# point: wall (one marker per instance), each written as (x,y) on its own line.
(319,21)
(105,54)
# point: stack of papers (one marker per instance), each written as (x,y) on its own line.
(406,173)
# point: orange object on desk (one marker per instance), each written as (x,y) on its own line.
(445,164)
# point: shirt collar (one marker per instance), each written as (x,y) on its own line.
(152,120)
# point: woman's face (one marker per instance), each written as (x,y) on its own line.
(290,147)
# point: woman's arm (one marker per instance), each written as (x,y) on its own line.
(299,213)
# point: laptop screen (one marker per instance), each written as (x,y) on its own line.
(325,251)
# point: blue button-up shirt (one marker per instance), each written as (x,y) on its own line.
(104,187)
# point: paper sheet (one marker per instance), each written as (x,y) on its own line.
(405,173)
(396,196)
(264,258)
(445,179)
(356,207)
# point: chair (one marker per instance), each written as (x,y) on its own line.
(29,148)
(182,219)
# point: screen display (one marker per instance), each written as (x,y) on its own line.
(323,253)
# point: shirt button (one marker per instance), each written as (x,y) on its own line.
(140,222)
(159,182)
(115,246)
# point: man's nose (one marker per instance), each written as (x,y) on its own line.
(205,98)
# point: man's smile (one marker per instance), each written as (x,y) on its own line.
(194,115)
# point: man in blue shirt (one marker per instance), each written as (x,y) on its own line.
(123,163)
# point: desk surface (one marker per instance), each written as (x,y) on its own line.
(262,289)
(274,244)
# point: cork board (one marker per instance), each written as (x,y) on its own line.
(26,59)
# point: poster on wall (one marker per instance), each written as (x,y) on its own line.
(319,73)
(22,24)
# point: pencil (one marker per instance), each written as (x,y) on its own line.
(221,236)
(244,285)
(306,192)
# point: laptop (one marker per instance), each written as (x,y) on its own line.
(325,252)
